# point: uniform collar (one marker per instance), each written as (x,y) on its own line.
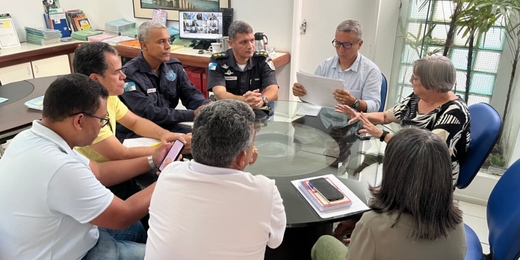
(233,63)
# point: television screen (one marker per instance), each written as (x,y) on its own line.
(200,25)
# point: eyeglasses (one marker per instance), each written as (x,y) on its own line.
(103,120)
(414,78)
(346,45)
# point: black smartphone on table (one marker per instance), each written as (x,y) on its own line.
(173,154)
(326,189)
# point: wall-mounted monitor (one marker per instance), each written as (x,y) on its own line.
(144,8)
(205,26)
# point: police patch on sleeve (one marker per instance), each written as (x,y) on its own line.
(271,64)
(129,86)
(212,66)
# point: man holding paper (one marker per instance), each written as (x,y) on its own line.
(361,77)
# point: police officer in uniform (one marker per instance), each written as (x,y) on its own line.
(242,73)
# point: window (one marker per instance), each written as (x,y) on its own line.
(426,27)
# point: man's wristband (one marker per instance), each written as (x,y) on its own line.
(151,163)
(383,135)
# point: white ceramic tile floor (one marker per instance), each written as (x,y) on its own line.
(475,216)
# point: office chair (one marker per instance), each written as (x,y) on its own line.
(384,89)
(503,222)
(485,127)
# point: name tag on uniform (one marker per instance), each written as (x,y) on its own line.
(151,90)
(230,78)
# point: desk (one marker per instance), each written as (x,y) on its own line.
(190,57)
(15,116)
(295,147)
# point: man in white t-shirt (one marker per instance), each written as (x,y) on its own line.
(209,208)
(54,203)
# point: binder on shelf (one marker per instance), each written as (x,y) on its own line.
(8,35)
(57,21)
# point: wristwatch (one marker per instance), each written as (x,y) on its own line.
(383,135)
(356,103)
(266,101)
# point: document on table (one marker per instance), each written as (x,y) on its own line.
(319,89)
(140,141)
(307,109)
(3,99)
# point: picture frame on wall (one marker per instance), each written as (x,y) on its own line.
(144,8)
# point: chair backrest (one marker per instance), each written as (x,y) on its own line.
(384,89)
(503,211)
(484,127)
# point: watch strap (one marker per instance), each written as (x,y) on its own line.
(383,135)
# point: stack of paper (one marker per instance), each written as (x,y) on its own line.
(117,39)
(42,36)
(117,26)
(100,37)
(84,34)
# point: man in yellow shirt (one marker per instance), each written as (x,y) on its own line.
(100,62)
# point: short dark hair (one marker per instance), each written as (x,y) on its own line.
(71,94)
(418,181)
(221,131)
(237,27)
(90,58)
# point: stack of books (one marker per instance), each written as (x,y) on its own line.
(77,20)
(329,196)
(132,32)
(84,34)
(42,36)
(101,37)
(118,26)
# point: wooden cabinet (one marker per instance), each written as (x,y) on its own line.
(15,73)
(58,65)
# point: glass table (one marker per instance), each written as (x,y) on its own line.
(293,146)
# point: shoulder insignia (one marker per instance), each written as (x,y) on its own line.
(261,53)
(218,55)
(129,86)
(212,66)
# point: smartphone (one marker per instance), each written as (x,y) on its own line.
(326,189)
(174,153)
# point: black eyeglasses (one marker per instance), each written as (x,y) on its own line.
(346,45)
(103,120)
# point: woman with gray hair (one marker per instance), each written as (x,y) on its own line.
(413,215)
(432,106)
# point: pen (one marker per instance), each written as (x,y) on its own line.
(156,144)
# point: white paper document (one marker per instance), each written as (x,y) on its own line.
(357,204)
(140,141)
(307,109)
(319,89)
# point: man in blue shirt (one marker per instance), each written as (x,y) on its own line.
(362,78)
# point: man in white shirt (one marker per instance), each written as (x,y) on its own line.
(362,78)
(54,203)
(209,208)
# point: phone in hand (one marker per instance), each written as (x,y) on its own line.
(326,189)
(173,154)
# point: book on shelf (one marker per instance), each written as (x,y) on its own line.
(319,199)
(77,20)
(349,204)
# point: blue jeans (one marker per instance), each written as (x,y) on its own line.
(125,244)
